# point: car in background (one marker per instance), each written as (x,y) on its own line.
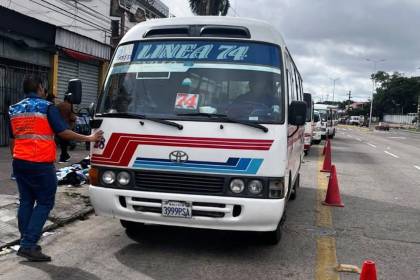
(354,120)
(362,120)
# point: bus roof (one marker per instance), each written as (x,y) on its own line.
(259,30)
(324,107)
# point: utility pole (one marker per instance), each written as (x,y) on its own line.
(349,94)
(418,105)
(375,62)
(334,80)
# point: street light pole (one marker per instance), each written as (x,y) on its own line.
(375,62)
(334,80)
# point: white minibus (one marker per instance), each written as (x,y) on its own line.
(329,119)
(203,122)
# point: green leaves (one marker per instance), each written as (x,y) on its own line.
(396,94)
(210,7)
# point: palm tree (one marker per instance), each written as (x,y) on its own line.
(210,7)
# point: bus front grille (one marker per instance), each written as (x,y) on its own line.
(179,183)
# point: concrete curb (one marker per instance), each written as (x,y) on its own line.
(57,223)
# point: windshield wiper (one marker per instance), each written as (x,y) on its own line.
(203,114)
(142,117)
(226,118)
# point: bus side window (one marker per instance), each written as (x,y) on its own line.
(289,87)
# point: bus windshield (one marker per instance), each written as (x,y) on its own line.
(188,80)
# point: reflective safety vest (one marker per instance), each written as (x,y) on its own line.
(34,137)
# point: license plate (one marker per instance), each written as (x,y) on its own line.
(180,209)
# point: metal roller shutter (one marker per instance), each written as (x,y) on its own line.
(88,73)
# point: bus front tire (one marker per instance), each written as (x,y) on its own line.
(316,142)
(131,226)
(273,237)
(295,187)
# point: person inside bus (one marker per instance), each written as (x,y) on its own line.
(259,100)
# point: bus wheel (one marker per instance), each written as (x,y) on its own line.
(131,226)
(273,237)
(316,142)
(295,187)
(306,152)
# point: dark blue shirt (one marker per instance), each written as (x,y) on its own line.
(55,119)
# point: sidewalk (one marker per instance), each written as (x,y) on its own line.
(71,202)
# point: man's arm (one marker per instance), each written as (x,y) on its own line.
(62,130)
(71,135)
(12,145)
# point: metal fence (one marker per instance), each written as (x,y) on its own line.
(11,91)
(399,119)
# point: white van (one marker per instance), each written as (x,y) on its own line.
(354,120)
(318,130)
(329,119)
(203,122)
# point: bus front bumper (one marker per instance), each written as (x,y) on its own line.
(221,212)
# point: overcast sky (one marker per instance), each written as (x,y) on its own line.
(332,38)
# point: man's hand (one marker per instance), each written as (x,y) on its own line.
(94,137)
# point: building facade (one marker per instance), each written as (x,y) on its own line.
(62,40)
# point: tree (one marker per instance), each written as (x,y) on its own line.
(210,7)
(396,94)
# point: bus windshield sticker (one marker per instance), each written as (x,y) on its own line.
(124,53)
(186,101)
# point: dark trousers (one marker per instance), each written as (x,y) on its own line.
(64,145)
(37,184)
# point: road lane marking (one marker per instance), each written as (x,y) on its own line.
(371,145)
(326,254)
(396,137)
(391,154)
(358,139)
(417,167)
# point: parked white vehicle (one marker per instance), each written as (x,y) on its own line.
(309,126)
(203,122)
(329,119)
(354,120)
(318,129)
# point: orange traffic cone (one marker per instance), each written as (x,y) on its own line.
(326,167)
(333,194)
(325,146)
(368,271)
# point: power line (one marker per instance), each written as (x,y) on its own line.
(92,12)
(44,13)
(71,15)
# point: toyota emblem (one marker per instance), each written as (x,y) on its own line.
(178,156)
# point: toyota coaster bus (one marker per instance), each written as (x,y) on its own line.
(203,122)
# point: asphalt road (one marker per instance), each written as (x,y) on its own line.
(380,187)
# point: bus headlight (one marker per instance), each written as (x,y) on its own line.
(237,186)
(108,177)
(255,187)
(123,178)
(276,188)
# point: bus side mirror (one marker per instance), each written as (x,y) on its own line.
(74,91)
(91,109)
(297,113)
